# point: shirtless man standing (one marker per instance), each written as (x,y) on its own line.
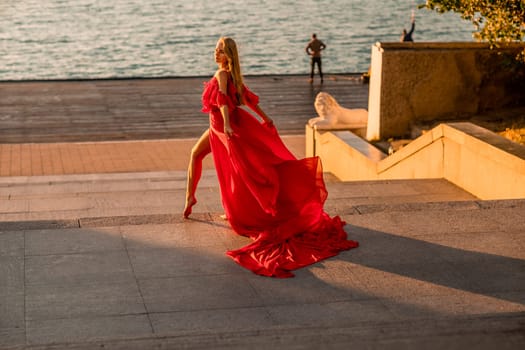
(313,49)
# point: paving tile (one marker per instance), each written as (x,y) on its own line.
(503,204)
(14,205)
(12,243)
(130,216)
(140,198)
(48,302)
(229,238)
(34,222)
(438,186)
(75,330)
(133,217)
(310,285)
(11,275)
(382,248)
(420,223)
(189,233)
(509,219)
(453,304)
(493,275)
(12,337)
(341,273)
(78,269)
(435,276)
(514,296)
(12,311)
(12,299)
(65,202)
(192,293)
(372,188)
(341,207)
(479,245)
(39,220)
(69,241)
(174,262)
(401,281)
(423,203)
(208,202)
(336,314)
(405,280)
(216,320)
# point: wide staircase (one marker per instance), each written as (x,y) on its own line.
(106,261)
(152,195)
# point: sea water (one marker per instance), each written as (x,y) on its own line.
(85,39)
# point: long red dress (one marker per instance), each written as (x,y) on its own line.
(267,193)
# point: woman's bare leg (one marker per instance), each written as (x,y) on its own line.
(200,150)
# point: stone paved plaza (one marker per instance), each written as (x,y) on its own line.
(94,254)
(106,261)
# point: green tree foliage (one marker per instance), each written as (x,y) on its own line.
(496,21)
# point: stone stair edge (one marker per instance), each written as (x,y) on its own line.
(154,219)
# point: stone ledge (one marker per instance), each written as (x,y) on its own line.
(156,219)
(431,206)
(444,46)
(410,207)
(38,225)
(150,219)
(471,157)
(128,220)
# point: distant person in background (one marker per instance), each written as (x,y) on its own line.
(408,36)
(313,49)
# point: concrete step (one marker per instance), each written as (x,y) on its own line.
(70,197)
(124,272)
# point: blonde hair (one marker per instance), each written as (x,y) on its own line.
(234,65)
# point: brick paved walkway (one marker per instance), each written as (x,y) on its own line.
(94,157)
(33,159)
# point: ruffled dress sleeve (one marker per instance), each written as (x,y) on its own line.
(213,98)
(250,99)
(205,98)
(224,100)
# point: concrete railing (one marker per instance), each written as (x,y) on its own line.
(481,162)
(412,82)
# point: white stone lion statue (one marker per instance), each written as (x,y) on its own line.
(333,116)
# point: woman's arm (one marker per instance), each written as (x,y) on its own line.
(252,100)
(257,109)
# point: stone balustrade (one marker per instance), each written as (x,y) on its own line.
(477,160)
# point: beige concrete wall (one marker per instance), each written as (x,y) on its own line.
(343,157)
(489,169)
(309,141)
(475,159)
(426,163)
(413,82)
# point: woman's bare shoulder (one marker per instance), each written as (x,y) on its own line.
(222,78)
(221,74)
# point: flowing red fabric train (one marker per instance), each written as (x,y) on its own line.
(268,194)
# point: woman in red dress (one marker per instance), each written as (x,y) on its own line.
(267,193)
